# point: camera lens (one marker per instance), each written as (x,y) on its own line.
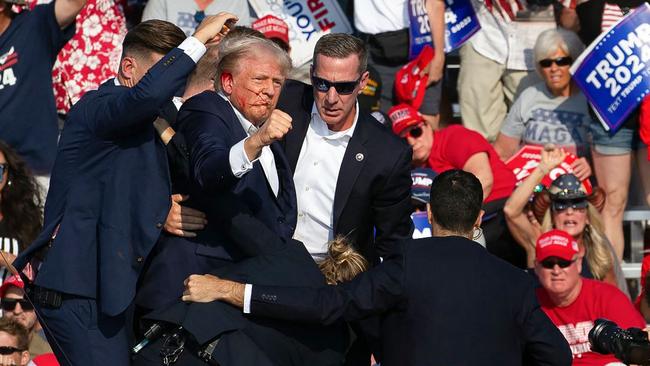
(601,336)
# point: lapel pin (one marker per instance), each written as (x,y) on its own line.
(359,156)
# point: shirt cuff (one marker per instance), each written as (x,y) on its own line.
(193,48)
(239,163)
(248,292)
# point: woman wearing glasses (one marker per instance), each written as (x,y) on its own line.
(566,206)
(553,111)
(20,206)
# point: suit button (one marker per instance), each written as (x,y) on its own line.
(140,259)
(159,225)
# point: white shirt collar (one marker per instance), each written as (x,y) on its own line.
(116,81)
(246,124)
(320,127)
(178,102)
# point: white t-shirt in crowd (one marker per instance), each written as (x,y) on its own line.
(181,12)
(378,16)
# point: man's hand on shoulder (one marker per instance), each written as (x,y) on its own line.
(215,27)
(208,288)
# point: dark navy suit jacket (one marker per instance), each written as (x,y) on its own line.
(446,301)
(109,190)
(210,128)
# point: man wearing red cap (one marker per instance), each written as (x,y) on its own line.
(573,303)
(456,147)
(17,308)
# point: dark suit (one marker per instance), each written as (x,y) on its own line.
(373,190)
(249,237)
(448,302)
(108,197)
(372,201)
(210,128)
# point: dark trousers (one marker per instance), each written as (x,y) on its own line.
(80,336)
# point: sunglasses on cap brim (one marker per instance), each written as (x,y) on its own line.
(341,87)
(577,204)
(549,263)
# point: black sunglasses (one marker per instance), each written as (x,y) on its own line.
(549,263)
(414,132)
(561,205)
(342,87)
(560,61)
(10,304)
(6,350)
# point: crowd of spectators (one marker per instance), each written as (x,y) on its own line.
(514,90)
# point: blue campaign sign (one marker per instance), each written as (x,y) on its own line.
(460,22)
(613,72)
(422,226)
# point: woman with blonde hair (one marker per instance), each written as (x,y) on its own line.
(565,205)
(342,263)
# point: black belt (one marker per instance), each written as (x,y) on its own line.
(46,297)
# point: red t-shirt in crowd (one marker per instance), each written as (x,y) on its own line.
(596,300)
(454,145)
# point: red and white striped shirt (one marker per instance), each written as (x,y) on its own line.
(611,14)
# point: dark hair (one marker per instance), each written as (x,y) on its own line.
(15,329)
(20,202)
(456,199)
(341,45)
(152,36)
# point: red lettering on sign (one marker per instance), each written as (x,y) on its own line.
(314,5)
(325,24)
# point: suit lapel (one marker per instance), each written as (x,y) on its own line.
(294,139)
(352,164)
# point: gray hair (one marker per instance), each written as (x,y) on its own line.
(233,50)
(342,45)
(552,40)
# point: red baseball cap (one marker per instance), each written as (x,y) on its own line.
(11,281)
(409,85)
(404,116)
(556,243)
(272,27)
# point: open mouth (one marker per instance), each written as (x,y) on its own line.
(569,223)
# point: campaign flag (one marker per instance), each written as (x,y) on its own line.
(527,159)
(460,22)
(614,71)
(422,226)
(308,20)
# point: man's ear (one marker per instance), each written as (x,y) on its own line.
(364,81)
(128,65)
(227,83)
(429,214)
(24,357)
(479,218)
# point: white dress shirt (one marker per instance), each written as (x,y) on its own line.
(239,162)
(315,178)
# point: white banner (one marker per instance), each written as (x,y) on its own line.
(308,20)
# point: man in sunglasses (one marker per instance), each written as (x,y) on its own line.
(456,147)
(572,302)
(351,174)
(13,344)
(17,308)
